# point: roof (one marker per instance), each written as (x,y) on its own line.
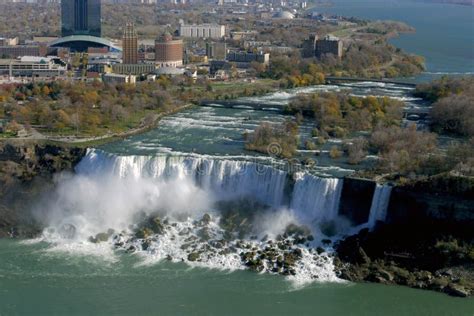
(35,59)
(284,15)
(26,60)
(68,40)
(330,37)
(169,71)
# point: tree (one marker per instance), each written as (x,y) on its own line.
(13,127)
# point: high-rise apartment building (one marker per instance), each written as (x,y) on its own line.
(80,17)
(129,45)
(328,45)
(316,47)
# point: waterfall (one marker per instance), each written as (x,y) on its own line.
(225,178)
(316,198)
(312,198)
(380,200)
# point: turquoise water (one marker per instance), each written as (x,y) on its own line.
(37,281)
(219,131)
(444,32)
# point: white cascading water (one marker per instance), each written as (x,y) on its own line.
(380,201)
(225,178)
(315,198)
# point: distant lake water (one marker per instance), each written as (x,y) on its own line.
(444,32)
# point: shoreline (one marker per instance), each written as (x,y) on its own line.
(99,140)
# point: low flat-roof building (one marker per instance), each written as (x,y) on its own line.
(118,78)
(133,69)
(202,30)
(23,50)
(243,59)
(32,66)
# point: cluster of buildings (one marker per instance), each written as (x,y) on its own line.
(131,58)
(82,54)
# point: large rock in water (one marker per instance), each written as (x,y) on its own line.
(193,256)
(156,225)
(457,290)
(143,233)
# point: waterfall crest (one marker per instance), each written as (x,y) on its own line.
(225,178)
(312,198)
(316,198)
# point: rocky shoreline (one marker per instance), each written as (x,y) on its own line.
(27,170)
(423,258)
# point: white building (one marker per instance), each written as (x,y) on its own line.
(32,66)
(202,31)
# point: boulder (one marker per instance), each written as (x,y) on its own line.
(156,226)
(144,233)
(193,256)
(386,275)
(206,219)
(456,290)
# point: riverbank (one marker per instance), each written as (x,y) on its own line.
(28,171)
(425,242)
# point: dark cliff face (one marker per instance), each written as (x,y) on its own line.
(426,242)
(26,160)
(356,200)
(446,201)
(27,172)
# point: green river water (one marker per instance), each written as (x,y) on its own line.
(37,281)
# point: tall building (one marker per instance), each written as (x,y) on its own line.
(328,45)
(168,51)
(80,17)
(316,47)
(309,46)
(129,45)
(216,50)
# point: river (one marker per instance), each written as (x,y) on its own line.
(38,281)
